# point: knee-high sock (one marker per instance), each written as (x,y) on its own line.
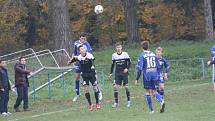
(87,95)
(161,92)
(149,102)
(158,98)
(77,87)
(128,95)
(116,96)
(97,97)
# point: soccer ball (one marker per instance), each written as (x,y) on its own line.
(98,9)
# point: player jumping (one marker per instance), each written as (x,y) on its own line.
(88,73)
(81,42)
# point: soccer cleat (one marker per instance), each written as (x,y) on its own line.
(4,114)
(115,105)
(98,106)
(90,107)
(162,107)
(129,104)
(151,112)
(75,98)
(100,96)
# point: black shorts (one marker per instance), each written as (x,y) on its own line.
(89,78)
(119,79)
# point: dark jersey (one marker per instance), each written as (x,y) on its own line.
(86,63)
(120,61)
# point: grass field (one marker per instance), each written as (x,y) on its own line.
(185,101)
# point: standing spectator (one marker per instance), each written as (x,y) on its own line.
(4,89)
(22,84)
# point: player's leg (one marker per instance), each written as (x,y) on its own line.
(125,84)
(157,96)
(77,85)
(116,85)
(87,93)
(161,89)
(99,91)
(147,87)
(149,100)
(95,88)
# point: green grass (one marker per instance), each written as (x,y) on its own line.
(191,100)
(172,50)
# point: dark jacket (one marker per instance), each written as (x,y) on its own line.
(4,81)
(21,74)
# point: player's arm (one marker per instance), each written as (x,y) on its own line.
(112,68)
(89,48)
(73,59)
(167,68)
(93,64)
(128,62)
(211,62)
(1,85)
(140,64)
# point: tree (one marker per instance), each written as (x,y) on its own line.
(208,20)
(59,24)
(130,13)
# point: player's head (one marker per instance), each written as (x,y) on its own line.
(83,36)
(145,45)
(159,52)
(22,60)
(118,47)
(82,50)
(2,63)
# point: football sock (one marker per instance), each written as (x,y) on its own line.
(87,95)
(97,97)
(116,96)
(158,98)
(77,87)
(128,95)
(149,102)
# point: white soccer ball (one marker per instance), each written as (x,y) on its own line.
(98,9)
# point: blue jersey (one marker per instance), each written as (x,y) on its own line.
(164,65)
(77,44)
(148,63)
(164,68)
(213,51)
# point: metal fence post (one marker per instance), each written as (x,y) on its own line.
(203,69)
(64,86)
(34,94)
(49,86)
(103,81)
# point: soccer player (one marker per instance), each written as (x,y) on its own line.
(81,42)
(163,73)
(88,73)
(148,63)
(212,62)
(121,61)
